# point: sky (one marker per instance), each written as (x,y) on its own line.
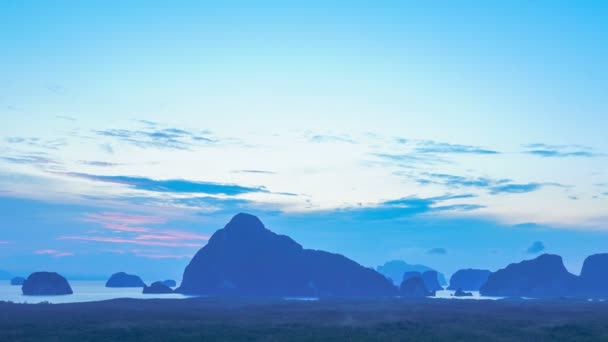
(453,134)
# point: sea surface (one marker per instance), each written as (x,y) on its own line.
(84,291)
(90,291)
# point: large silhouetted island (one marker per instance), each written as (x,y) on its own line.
(246,259)
(46,284)
(542,277)
(468,279)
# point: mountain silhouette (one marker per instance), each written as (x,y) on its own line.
(413,287)
(410,274)
(468,279)
(46,284)
(431,281)
(246,259)
(169,283)
(593,280)
(17,281)
(544,276)
(395,269)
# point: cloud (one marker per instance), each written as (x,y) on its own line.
(427,152)
(128,241)
(408,159)
(172,185)
(437,251)
(134,226)
(2,242)
(31,159)
(159,254)
(54,253)
(560,151)
(107,148)
(162,138)
(65,117)
(97,163)
(430,146)
(51,144)
(255,171)
(493,186)
(324,138)
(460,181)
(122,222)
(408,207)
(515,188)
(536,247)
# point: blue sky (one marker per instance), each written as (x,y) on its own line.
(452,134)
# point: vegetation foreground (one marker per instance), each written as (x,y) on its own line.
(223,319)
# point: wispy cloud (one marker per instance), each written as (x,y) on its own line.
(65,117)
(515,188)
(30,159)
(430,146)
(163,138)
(408,207)
(493,186)
(437,251)
(255,171)
(51,144)
(138,229)
(160,254)
(326,138)
(53,252)
(172,185)
(117,240)
(408,160)
(97,163)
(427,152)
(122,222)
(560,151)
(536,247)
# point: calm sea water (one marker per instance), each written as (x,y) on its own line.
(90,291)
(84,291)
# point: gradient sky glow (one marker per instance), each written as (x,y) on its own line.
(131,131)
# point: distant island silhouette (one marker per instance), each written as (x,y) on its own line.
(246,259)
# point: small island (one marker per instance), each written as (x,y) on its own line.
(46,284)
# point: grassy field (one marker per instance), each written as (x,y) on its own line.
(220,319)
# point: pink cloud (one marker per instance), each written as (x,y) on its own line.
(165,256)
(131,225)
(129,241)
(53,252)
(116,251)
(123,222)
(125,218)
(174,235)
(4,242)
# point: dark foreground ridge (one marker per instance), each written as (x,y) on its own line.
(246,259)
(231,319)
